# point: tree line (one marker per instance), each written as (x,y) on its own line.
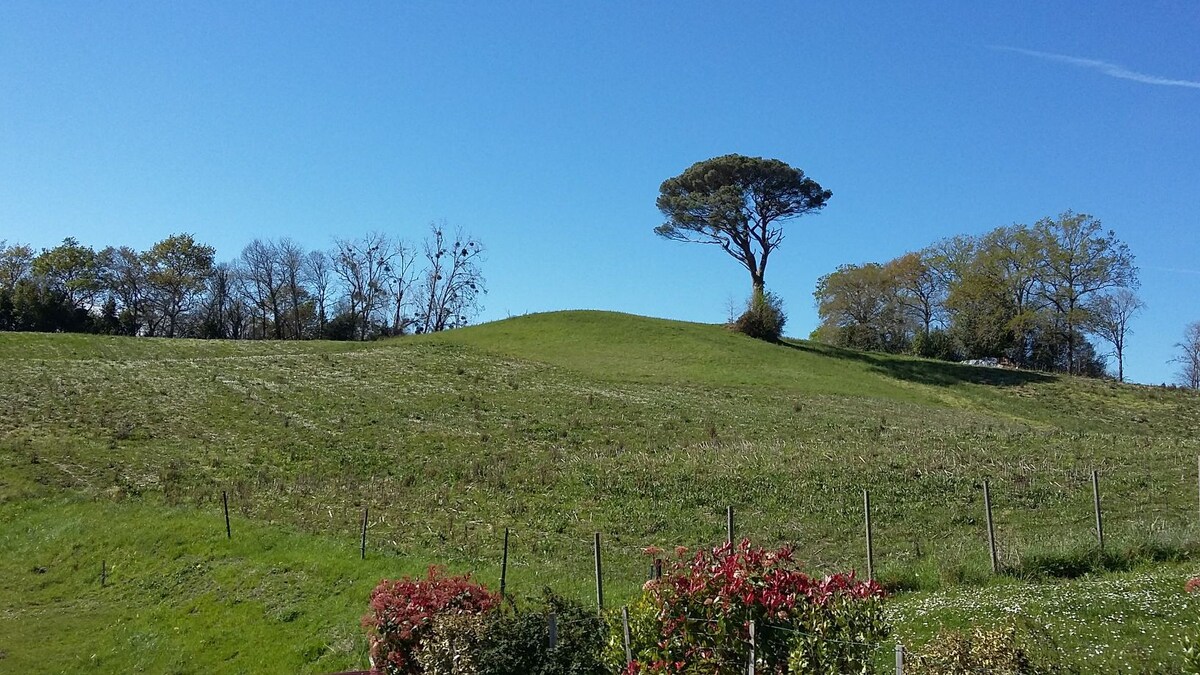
(359,289)
(1037,296)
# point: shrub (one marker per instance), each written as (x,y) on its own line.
(403,615)
(696,618)
(999,650)
(516,642)
(764,318)
(452,645)
(937,344)
(509,641)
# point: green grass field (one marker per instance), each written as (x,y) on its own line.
(556,426)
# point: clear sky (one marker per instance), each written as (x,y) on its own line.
(546,128)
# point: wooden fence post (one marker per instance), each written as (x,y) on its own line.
(553,628)
(225,500)
(363,552)
(870,541)
(899,659)
(599,578)
(625,631)
(1096,504)
(991,528)
(504,566)
(729,525)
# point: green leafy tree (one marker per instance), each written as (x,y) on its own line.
(35,306)
(1081,260)
(72,269)
(177,271)
(16,263)
(739,204)
(860,307)
(993,301)
(921,289)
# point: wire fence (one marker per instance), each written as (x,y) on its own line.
(655,564)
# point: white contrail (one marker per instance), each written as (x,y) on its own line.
(1110,69)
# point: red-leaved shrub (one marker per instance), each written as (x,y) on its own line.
(403,612)
(696,617)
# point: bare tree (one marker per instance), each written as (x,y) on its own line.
(223,315)
(290,260)
(123,274)
(1189,359)
(364,267)
(317,277)
(1111,315)
(400,282)
(453,281)
(262,283)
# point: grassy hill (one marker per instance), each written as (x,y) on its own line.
(555,425)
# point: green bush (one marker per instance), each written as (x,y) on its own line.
(937,344)
(1009,649)
(763,319)
(514,640)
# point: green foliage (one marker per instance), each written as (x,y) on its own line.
(1008,649)
(763,319)
(508,641)
(936,344)
(34,306)
(16,263)
(177,269)
(1190,651)
(344,326)
(738,203)
(516,642)
(1072,559)
(70,269)
(1030,294)
(860,306)
(644,630)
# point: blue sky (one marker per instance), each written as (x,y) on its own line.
(546,128)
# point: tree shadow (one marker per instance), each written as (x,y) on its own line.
(938,373)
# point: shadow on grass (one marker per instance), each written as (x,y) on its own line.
(941,373)
(1075,562)
(1039,564)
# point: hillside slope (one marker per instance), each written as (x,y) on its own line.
(555,425)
